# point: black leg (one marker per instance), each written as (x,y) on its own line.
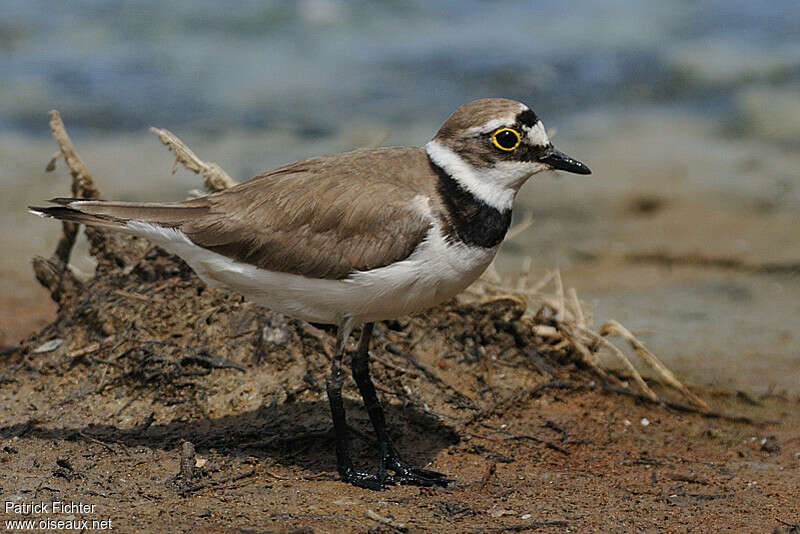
(390,459)
(333,385)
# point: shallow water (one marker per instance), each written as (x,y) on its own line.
(692,107)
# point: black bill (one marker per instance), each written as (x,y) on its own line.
(562,162)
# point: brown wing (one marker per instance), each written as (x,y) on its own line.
(324,217)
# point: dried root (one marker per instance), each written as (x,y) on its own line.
(214,178)
(613,328)
(569,327)
(82,182)
(53,273)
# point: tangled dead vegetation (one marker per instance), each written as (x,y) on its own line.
(147,328)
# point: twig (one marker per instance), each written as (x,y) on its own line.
(552,425)
(214,177)
(82,181)
(546,443)
(88,349)
(688,478)
(313,332)
(130,295)
(522,282)
(542,282)
(394,367)
(102,443)
(614,328)
(580,318)
(54,274)
(276,476)
(793,526)
(188,459)
(560,312)
(586,355)
(625,362)
(209,360)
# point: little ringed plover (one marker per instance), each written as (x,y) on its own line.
(350,239)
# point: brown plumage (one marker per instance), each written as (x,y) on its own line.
(323,217)
(477,113)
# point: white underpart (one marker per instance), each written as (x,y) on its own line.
(496,186)
(434,272)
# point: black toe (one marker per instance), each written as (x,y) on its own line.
(409,475)
(365,480)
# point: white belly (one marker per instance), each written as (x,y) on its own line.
(435,272)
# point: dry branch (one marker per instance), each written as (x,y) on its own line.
(214,178)
(53,273)
(625,362)
(614,328)
(82,182)
(569,327)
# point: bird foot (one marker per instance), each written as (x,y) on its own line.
(406,474)
(401,474)
(364,480)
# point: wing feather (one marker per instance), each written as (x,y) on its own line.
(324,217)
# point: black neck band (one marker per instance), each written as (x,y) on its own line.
(469,219)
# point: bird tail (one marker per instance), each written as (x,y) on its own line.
(117,215)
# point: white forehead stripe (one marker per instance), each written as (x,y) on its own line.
(537,136)
(490,126)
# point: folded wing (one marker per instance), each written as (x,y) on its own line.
(322,218)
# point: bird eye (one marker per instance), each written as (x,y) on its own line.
(506,139)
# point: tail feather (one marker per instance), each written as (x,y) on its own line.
(117,214)
(66,213)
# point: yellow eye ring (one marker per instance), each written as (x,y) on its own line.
(506,139)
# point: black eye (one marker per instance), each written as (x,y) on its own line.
(506,139)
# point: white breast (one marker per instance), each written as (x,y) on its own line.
(434,272)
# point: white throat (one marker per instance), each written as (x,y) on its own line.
(496,187)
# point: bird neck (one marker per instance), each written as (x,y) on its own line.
(484,184)
(468,218)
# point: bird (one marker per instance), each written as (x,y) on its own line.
(353,238)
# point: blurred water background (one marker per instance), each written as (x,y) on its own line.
(688,113)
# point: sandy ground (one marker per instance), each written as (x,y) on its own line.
(97,408)
(264,471)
